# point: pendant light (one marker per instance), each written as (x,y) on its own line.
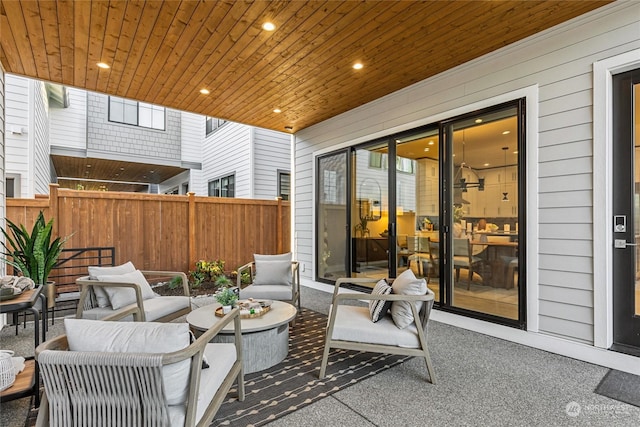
(505,194)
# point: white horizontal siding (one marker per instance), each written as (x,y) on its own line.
(19,155)
(42,168)
(272,152)
(559,63)
(192,133)
(228,151)
(68,126)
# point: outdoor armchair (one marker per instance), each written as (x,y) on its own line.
(352,327)
(123,293)
(274,277)
(130,374)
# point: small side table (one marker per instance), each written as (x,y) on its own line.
(28,381)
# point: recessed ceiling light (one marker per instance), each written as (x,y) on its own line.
(478,120)
(486,164)
(358,66)
(506,132)
(88,166)
(204,91)
(515,152)
(288,128)
(431,142)
(103,65)
(268,26)
(427,149)
(277,110)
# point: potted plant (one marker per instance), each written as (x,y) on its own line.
(227,298)
(33,254)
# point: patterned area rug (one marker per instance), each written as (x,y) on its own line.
(294,383)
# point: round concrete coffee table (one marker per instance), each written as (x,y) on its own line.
(265,339)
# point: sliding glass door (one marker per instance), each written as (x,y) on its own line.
(444,200)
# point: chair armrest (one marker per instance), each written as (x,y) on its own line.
(58,343)
(354,280)
(183,276)
(84,283)
(247,266)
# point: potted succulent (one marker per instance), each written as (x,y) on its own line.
(33,254)
(227,298)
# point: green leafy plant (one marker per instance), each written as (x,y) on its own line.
(226,296)
(175,282)
(222,282)
(33,254)
(206,272)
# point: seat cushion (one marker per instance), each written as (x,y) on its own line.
(101,296)
(136,337)
(220,358)
(277,292)
(353,323)
(121,297)
(154,308)
(406,284)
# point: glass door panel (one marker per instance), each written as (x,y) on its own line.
(370,212)
(332,218)
(484,248)
(418,205)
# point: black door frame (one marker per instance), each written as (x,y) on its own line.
(626,324)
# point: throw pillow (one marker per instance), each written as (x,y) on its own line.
(101,296)
(136,337)
(273,273)
(379,308)
(278,257)
(406,284)
(122,297)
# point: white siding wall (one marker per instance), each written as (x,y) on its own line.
(19,157)
(2,167)
(272,152)
(227,151)
(68,126)
(42,168)
(192,134)
(559,61)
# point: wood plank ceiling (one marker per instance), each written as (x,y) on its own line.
(165,52)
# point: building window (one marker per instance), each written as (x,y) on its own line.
(284,184)
(223,187)
(136,113)
(379,160)
(11,187)
(212,124)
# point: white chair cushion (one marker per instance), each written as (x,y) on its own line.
(101,296)
(221,358)
(273,273)
(354,323)
(406,284)
(121,297)
(154,308)
(138,337)
(277,292)
(279,257)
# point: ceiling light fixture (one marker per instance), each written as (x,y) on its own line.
(277,110)
(268,26)
(288,128)
(505,195)
(358,66)
(431,142)
(103,65)
(464,171)
(204,91)
(478,120)
(506,132)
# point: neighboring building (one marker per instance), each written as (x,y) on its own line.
(552,165)
(87,141)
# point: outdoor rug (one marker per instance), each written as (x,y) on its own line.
(620,386)
(294,383)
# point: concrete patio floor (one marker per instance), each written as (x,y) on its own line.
(481,381)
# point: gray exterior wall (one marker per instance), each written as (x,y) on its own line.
(121,141)
(554,70)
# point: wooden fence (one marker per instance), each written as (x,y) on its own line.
(162,232)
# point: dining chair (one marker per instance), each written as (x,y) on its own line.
(463,258)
